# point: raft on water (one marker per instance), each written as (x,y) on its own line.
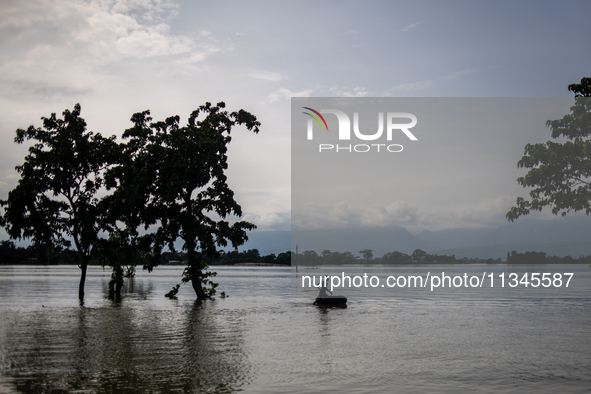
(329,300)
(334,300)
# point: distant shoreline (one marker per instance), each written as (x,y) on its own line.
(254,264)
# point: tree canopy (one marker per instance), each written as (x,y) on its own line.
(166,182)
(560,172)
(55,201)
(172,179)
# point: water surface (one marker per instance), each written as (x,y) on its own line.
(261,339)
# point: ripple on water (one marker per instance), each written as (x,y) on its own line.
(260,340)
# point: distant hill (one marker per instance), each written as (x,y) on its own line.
(560,237)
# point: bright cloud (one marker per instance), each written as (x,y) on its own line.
(346,92)
(269,76)
(410,27)
(286,94)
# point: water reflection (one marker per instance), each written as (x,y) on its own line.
(262,341)
(190,348)
(132,288)
(325,347)
(214,349)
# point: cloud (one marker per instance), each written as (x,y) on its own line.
(337,91)
(269,76)
(345,92)
(411,86)
(488,210)
(338,215)
(208,34)
(416,86)
(270,221)
(198,55)
(346,214)
(47,89)
(111,35)
(70,48)
(410,27)
(284,93)
(458,74)
(21,14)
(99,32)
(401,211)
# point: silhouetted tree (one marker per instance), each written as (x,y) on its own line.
(395,258)
(172,181)
(560,172)
(418,255)
(55,199)
(367,254)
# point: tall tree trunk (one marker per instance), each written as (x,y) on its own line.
(196,279)
(195,269)
(83,267)
(116,283)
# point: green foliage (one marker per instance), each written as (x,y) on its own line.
(367,254)
(560,172)
(283,258)
(168,182)
(122,255)
(11,254)
(269,259)
(311,258)
(252,256)
(418,255)
(542,258)
(235,257)
(582,89)
(56,200)
(173,292)
(327,257)
(171,180)
(208,286)
(437,258)
(395,258)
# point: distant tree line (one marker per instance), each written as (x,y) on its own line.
(232,257)
(10,254)
(252,256)
(541,258)
(326,257)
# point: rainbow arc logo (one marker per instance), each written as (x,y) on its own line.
(315,118)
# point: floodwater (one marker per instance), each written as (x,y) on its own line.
(264,339)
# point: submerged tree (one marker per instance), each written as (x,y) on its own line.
(172,182)
(55,200)
(560,173)
(122,255)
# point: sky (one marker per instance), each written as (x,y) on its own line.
(453,166)
(116,58)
